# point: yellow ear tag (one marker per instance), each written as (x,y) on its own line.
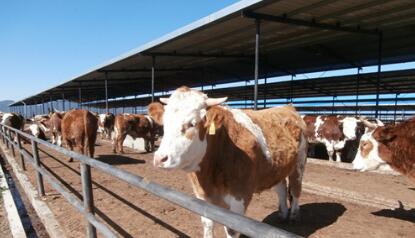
(212,129)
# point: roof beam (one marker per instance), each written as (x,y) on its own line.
(144,70)
(196,55)
(313,23)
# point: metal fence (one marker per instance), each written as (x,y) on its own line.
(12,138)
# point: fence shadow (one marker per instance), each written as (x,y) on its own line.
(110,222)
(116,159)
(399,213)
(314,216)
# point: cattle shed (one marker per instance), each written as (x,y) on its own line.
(252,41)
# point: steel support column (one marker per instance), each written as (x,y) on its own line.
(357,90)
(79,97)
(106,93)
(153,61)
(396,105)
(63,102)
(43,106)
(257,38)
(380,44)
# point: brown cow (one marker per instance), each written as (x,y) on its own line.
(232,154)
(391,144)
(79,130)
(135,125)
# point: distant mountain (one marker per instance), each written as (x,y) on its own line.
(4,105)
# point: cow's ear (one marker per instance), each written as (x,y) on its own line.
(164,100)
(210,102)
(385,135)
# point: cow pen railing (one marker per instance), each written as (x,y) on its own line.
(220,215)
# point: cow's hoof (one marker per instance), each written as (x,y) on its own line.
(70,160)
(294,216)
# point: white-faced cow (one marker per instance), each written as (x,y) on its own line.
(135,125)
(106,124)
(232,154)
(79,131)
(334,132)
(393,145)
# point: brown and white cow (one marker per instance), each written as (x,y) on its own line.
(79,130)
(54,125)
(155,110)
(334,132)
(13,120)
(135,125)
(106,124)
(393,145)
(232,154)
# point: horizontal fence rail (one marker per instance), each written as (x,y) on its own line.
(242,224)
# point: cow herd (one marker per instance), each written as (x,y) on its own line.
(230,154)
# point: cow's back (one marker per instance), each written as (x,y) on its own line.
(283,129)
(79,123)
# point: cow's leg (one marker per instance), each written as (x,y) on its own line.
(296,179)
(147,145)
(338,156)
(59,141)
(237,206)
(120,142)
(70,146)
(91,148)
(281,189)
(330,150)
(53,138)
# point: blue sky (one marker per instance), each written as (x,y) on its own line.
(44,43)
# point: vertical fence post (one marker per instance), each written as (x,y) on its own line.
(19,146)
(88,197)
(12,144)
(39,178)
(2,135)
(256,70)
(6,134)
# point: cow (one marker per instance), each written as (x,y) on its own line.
(135,125)
(231,154)
(334,132)
(13,120)
(155,109)
(79,130)
(35,129)
(106,124)
(392,145)
(54,125)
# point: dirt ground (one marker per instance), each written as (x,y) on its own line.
(132,212)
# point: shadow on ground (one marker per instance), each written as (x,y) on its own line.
(326,214)
(115,159)
(398,213)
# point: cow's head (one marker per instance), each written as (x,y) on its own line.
(183,144)
(350,127)
(373,152)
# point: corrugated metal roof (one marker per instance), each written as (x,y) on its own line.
(219,48)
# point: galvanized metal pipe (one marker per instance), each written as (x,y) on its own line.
(106,93)
(88,197)
(153,58)
(39,178)
(19,146)
(230,219)
(257,37)
(380,43)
